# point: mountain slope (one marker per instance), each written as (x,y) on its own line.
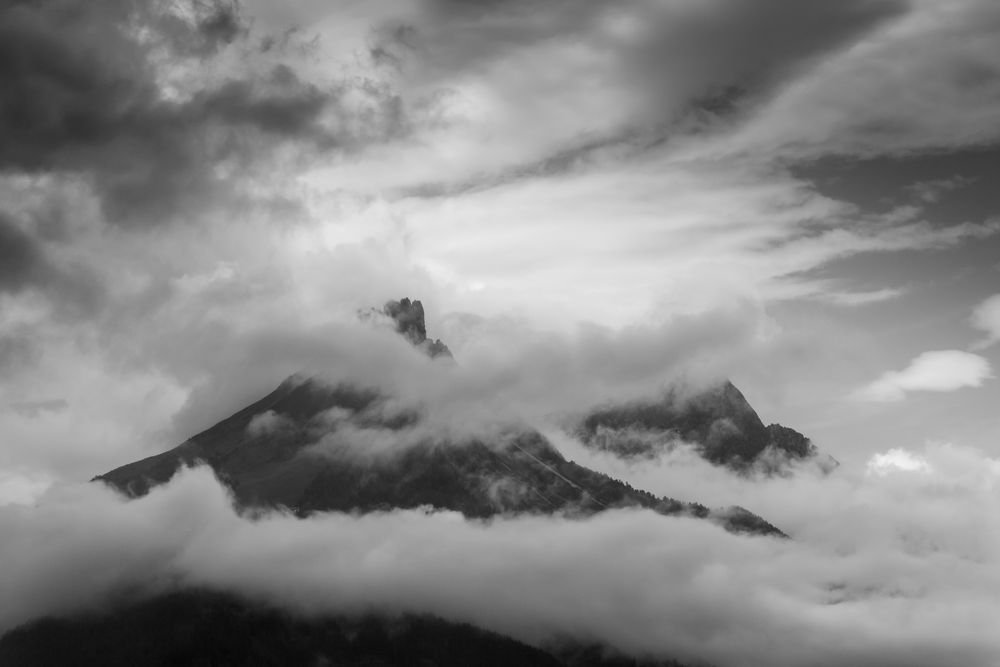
(307,463)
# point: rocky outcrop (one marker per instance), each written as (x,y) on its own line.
(409,318)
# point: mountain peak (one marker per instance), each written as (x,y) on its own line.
(409,318)
(718,420)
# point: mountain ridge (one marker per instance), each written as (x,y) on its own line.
(302,447)
(520,472)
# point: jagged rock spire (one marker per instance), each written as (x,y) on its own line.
(409,318)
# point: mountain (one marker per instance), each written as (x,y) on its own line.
(719,421)
(313,446)
(293,449)
(408,317)
(198,627)
(303,447)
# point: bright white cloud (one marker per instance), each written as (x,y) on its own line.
(897,460)
(942,370)
(986,318)
(21,489)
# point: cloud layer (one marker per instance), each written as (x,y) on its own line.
(884,569)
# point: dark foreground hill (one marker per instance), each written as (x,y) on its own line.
(207,629)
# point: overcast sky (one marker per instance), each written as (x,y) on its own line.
(592,199)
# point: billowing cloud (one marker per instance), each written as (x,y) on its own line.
(897,460)
(881,569)
(943,370)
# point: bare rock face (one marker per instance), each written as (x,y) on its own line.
(409,318)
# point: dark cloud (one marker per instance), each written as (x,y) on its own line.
(83,95)
(217,23)
(244,103)
(165,163)
(72,78)
(25,265)
(21,260)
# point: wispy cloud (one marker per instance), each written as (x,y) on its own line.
(862,298)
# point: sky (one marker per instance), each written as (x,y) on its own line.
(592,200)
(195,192)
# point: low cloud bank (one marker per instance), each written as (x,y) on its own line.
(893,569)
(941,498)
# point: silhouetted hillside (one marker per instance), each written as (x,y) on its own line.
(206,629)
